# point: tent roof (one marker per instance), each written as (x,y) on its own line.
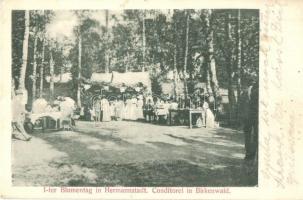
(127,79)
(101,77)
(131,78)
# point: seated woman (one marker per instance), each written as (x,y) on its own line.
(67,108)
(39,106)
(160,111)
(174,115)
(209,118)
(18,116)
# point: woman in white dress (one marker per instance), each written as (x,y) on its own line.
(208,116)
(119,109)
(112,105)
(39,106)
(140,107)
(18,114)
(67,106)
(96,109)
(106,115)
(127,108)
(133,109)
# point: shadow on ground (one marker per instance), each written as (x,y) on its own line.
(119,162)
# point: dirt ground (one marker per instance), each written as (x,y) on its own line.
(132,154)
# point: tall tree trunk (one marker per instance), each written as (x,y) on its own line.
(51,69)
(230,72)
(42,69)
(185,56)
(24,52)
(175,72)
(124,63)
(107,45)
(34,76)
(61,67)
(239,52)
(239,67)
(79,71)
(127,62)
(211,63)
(143,42)
(175,60)
(207,79)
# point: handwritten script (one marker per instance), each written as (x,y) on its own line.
(277,134)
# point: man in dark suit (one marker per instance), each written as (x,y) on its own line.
(251,122)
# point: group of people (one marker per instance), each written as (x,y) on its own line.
(103,109)
(24,118)
(65,105)
(152,109)
(139,107)
(158,109)
(61,109)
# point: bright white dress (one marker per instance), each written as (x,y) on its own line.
(67,107)
(106,110)
(133,109)
(112,108)
(140,109)
(39,106)
(127,109)
(209,116)
(119,110)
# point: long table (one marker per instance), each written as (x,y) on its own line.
(190,114)
(56,116)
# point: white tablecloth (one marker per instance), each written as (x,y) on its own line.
(55,115)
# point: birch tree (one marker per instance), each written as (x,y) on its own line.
(238,58)
(229,68)
(79,70)
(24,52)
(239,51)
(186,56)
(107,43)
(34,75)
(143,41)
(42,67)
(51,70)
(210,59)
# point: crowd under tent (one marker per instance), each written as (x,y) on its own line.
(115,85)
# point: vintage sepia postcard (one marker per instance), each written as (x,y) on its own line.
(141,99)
